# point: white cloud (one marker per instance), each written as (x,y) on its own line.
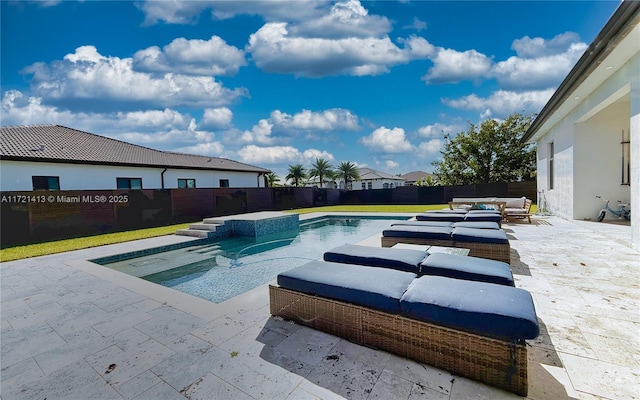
(191,57)
(185,12)
(306,120)
(452,66)
(539,47)
(345,19)
(259,133)
(390,164)
(429,148)
(385,140)
(309,156)
(88,80)
(213,118)
(253,154)
(206,149)
(417,24)
(502,102)
(438,130)
(541,72)
(274,50)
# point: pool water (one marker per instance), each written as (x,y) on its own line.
(218,271)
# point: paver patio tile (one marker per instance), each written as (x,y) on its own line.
(424,375)
(613,381)
(117,366)
(138,385)
(210,385)
(161,391)
(19,345)
(391,386)
(168,324)
(78,381)
(185,367)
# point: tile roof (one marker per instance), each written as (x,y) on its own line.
(415,176)
(368,173)
(55,143)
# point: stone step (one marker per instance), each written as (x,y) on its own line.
(204,226)
(193,233)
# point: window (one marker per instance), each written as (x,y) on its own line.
(129,183)
(45,182)
(364,185)
(385,186)
(551,155)
(369,185)
(224,183)
(186,183)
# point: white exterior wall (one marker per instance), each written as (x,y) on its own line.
(588,151)
(16,176)
(376,184)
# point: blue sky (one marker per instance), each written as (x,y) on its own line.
(276,83)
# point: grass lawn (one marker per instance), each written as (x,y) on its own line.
(60,246)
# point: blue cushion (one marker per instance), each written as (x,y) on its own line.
(497,311)
(477,224)
(493,217)
(372,287)
(486,211)
(469,268)
(385,257)
(424,232)
(426,223)
(433,216)
(479,235)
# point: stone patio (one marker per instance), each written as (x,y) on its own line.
(72,329)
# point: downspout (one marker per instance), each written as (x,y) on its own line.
(162,177)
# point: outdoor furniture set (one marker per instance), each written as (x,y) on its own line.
(481,240)
(459,313)
(509,207)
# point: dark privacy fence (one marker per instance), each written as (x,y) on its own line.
(30,217)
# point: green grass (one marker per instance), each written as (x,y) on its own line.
(60,246)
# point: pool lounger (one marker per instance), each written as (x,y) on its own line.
(484,243)
(461,224)
(423,263)
(472,215)
(474,329)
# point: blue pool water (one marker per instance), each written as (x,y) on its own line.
(217,271)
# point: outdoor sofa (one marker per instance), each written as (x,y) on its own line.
(473,329)
(485,243)
(424,263)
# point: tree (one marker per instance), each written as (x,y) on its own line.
(489,153)
(428,181)
(296,174)
(272,178)
(320,169)
(347,171)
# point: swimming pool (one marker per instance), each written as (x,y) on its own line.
(217,271)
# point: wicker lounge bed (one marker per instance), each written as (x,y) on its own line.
(484,243)
(461,224)
(423,263)
(473,329)
(459,216)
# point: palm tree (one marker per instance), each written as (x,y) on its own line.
(347,171)
(320,169)
(296,174)
(272,178)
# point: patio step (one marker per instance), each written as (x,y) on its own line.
(202,229)
(193,233)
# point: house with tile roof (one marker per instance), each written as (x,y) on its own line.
(372,179)
(54,157)
(413,177)
(588,133)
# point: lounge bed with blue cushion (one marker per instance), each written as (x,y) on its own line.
(473,329)
(472,215)
(423,263)
(461,224)
(485,243)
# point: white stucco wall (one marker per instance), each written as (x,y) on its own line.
(588,153)
(16,176)
(377,184)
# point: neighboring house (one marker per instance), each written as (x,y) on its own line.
(588,134)
(54,157)
(412,177)
(372,179)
